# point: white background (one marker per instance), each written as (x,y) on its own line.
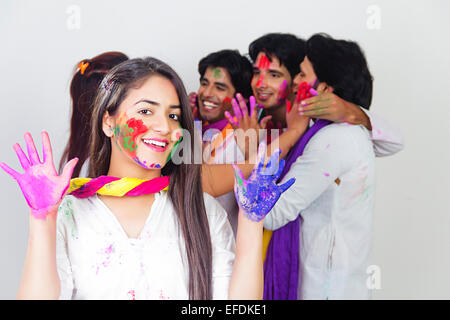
(407,47)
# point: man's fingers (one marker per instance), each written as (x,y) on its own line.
(263,122)
(252,107)
(231,119)
(313,106)
(242,105)
(13,173)
(316,113)
(31,148)
(236,109)
(24,162)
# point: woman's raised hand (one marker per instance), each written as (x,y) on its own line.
(258,194)
(40,184)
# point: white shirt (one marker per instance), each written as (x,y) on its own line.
(387,139)
(97,260)
(336,220)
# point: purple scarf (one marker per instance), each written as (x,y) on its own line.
(281,269)
(219,125)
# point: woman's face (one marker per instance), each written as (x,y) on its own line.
(146,126)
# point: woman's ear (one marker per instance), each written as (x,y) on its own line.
(108,125)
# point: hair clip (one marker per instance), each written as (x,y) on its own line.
(82,66)
(108,84)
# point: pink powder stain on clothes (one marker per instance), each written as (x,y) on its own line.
(132,294)
(326,174)
(107,257)
(162,297)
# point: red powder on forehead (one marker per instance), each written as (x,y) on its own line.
(138,127)
(264,62)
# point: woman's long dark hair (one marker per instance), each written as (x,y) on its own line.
(83,88)
(185,189)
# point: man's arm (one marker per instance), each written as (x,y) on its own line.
(386,138)
(328,155)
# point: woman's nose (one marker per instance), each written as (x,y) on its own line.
(161,125)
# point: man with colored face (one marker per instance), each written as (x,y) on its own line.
(328,211)
(223,74)
(276,59)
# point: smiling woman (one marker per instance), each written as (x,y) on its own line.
(175,244)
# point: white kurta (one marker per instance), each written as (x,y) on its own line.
(386,139)
(336,220)
(97,260)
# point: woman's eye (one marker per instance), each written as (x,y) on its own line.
(174,117)
(145,111)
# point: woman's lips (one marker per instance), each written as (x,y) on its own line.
(158,145)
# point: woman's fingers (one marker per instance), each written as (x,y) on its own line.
(31,148)
(273,164)
(24,162)
(263,122)
(47,153)
(13,173)
(238,174)
(261,157)
(286,185)
(68,169)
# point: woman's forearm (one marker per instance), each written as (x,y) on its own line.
(39,276)
(247,279)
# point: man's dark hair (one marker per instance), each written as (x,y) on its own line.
(289,49)
(239,68)
(342,65)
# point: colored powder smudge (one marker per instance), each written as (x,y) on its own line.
(128,133)
(132,294)
(326,174)
(217,73)
(264,62)
(226,102)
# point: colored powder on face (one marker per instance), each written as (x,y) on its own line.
(128,133)
(260,81)
(180,138)
(264,62)
(216,73)
(137,126)
(226,102)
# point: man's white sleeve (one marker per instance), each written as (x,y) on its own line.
(386,138)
